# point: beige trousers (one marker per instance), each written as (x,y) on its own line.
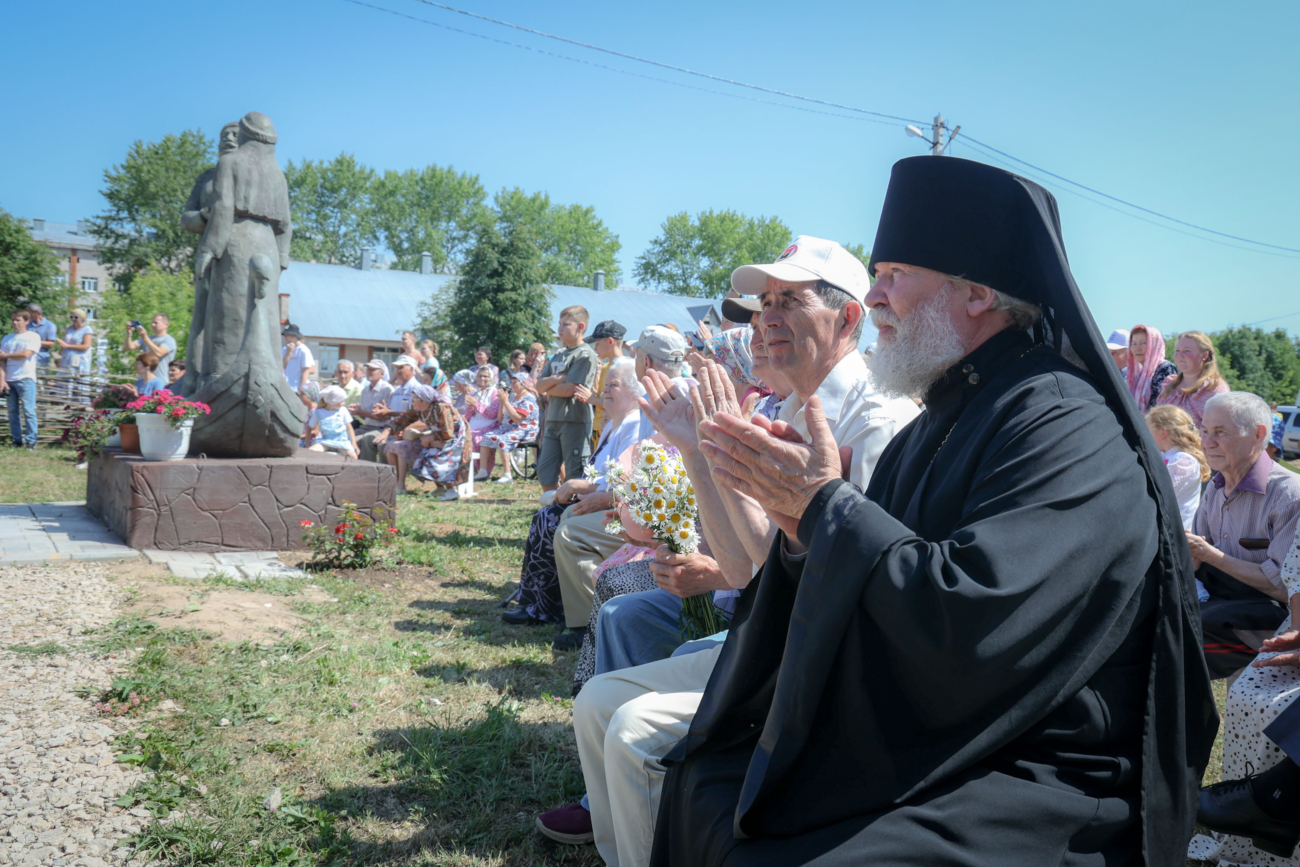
(625,722)
(581,543)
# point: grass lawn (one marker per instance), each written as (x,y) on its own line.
(402,722)
(47,475)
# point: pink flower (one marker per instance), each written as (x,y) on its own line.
(160,409)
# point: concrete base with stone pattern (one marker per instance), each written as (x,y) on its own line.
(231,504)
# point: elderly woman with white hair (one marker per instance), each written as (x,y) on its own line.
(1243,531)
(428,439)
(538,597)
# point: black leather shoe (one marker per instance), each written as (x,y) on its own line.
(569,639)
(1229,807)
(519,617)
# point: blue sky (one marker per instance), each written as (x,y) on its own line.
(1188,109)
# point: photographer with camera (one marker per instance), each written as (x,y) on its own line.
(161,344)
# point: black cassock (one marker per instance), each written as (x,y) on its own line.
(986,660)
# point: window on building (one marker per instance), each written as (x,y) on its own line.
(387,356)
(89,284)
(90,314)
(327,358)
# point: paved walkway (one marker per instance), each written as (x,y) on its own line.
(49,532)
(41,533)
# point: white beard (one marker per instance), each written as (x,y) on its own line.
(923,346)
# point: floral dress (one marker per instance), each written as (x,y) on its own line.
(625,571)
(507,436)
(447,464)
(409,450)
(539,579)
(1255,699)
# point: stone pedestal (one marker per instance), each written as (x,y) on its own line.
(231,504)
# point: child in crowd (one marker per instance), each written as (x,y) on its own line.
(516,424)
(331,424)
(309,394)
(1175,435)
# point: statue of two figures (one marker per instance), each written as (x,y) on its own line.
(241,208)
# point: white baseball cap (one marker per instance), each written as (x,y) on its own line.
(1118,339)
(404,359)
(661,342)
(808,258)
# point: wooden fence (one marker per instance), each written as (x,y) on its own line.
(61,397)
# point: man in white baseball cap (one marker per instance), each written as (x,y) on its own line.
(373,404)
(1117,343)
(809,311)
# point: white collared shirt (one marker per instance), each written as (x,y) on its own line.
(859,416)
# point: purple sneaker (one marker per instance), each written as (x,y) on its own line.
(571,824)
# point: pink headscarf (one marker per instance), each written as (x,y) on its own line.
(1139,380)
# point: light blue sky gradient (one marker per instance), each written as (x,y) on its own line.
(1188,109)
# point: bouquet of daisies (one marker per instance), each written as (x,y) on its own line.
(660,501)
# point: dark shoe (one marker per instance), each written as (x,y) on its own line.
(569,639)
(571,824)
(31,447)
(1230,808)
(519,617)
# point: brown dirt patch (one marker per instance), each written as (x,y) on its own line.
(230,615)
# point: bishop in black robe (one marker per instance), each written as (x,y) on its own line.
(992,656)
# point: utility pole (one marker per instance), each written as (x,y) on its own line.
(937,145)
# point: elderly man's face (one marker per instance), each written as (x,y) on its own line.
(343,373)
(402,373)
(1121,357)
(917,314)
(798,329)
(1227,448)
(374,375)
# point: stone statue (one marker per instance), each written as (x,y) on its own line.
(195,219)
(245,246)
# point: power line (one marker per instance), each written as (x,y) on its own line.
(1274,318)
(1129,204)
(615,68)
(857,116)
(979,149)
(666,65)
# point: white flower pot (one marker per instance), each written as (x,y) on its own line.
(159,441)
(114,440)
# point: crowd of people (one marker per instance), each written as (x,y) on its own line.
(34,344)
(984,568)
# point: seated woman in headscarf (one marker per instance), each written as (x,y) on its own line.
(482,410)
(444,451)
(429,423)
(539,583)
(462,387)
(516,424)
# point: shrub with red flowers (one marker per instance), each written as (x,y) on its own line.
(172,407)
(356,540)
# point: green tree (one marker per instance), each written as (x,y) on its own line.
(145,196)
(29,271)
(152,291)
(500,298)
(573,242)
(332,208)
(1266,363)
(862,253)
(434,210)
(695,256)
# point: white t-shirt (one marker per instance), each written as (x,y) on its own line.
(26,368)
(168,343)
(859,416)
(1185,473)
(299,361)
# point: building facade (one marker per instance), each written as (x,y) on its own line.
(78,254)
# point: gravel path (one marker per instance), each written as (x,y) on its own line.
(58,777)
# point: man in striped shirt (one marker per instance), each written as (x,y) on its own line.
(1243,531)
